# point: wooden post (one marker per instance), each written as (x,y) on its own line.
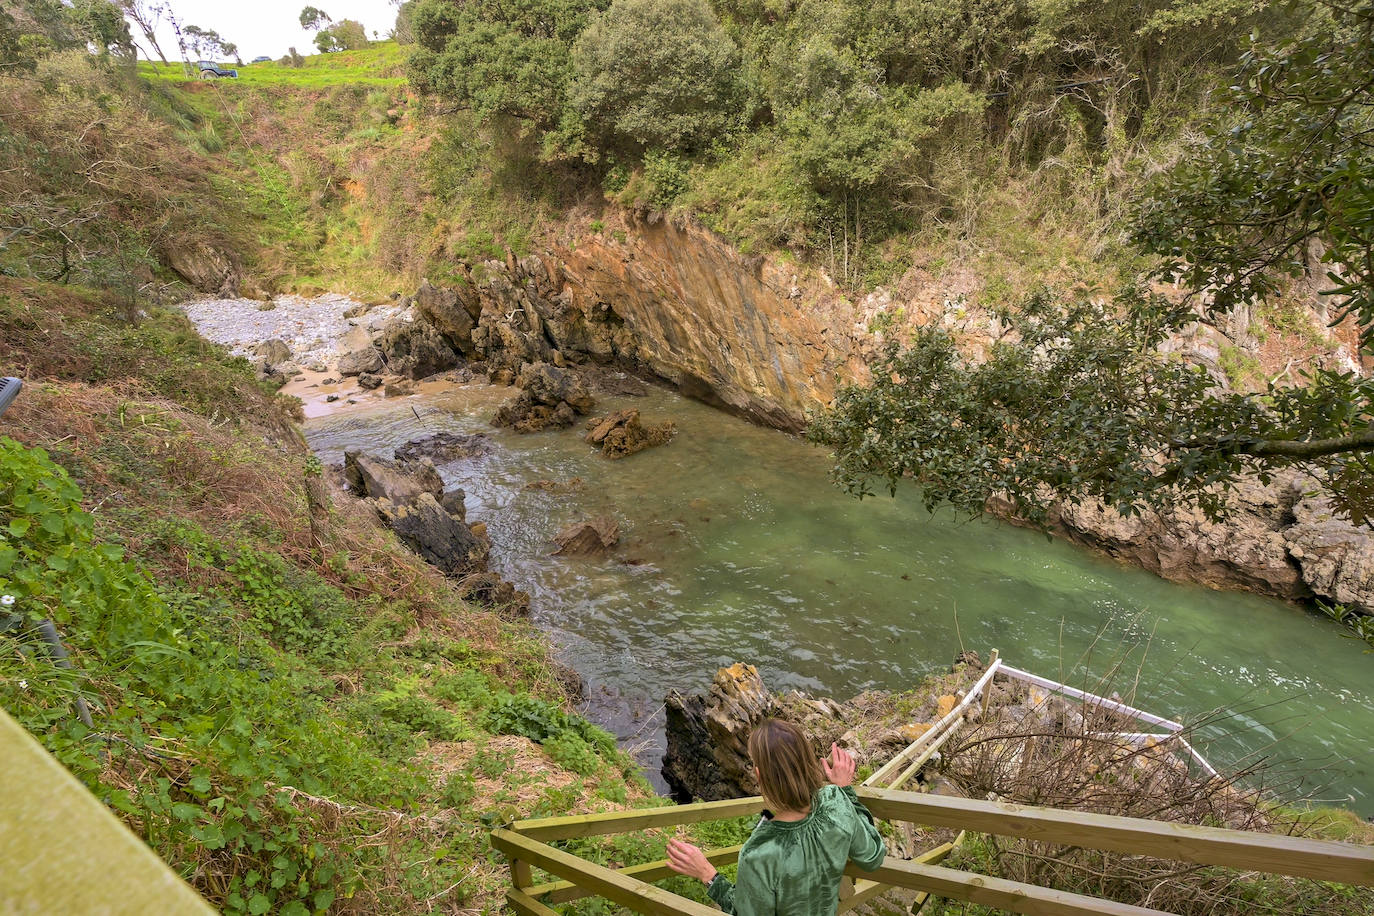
(520,875)
(987,691)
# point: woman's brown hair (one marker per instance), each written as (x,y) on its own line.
(789,770)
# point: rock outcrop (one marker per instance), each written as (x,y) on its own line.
(1281,540)
(206,267)
(671,299)
(409,497)
(621,433)
(594,537)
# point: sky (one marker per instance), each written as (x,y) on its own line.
(268,27)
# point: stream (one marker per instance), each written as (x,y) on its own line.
(735,546)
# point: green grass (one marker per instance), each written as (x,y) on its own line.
(382,64)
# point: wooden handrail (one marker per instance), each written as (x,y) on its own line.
(639,896)
(996,892)
(580,825)
(1273,853)
(564,891)
(865,889)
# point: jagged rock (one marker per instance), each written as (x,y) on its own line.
(440,539)
(708,737)
(621,433)
(452,313)
(445,447)
(1336,557)
(524,415)
(398,389)
(551,385)
(415,349)
(593,537)
(369,381)
(273,352)
(368,359)
(395,481)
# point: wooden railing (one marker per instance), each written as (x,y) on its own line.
(527,844)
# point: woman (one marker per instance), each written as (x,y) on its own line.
(792,863)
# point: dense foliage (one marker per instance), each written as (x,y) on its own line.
(832,133)
(1080,401)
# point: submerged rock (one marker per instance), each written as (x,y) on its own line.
(445,447)
(524,415)
(594,537)
(621,433)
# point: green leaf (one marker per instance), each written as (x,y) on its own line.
(19,527)
(259,904)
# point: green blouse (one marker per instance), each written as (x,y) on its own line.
(794,868)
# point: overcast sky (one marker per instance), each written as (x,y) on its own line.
(268,26)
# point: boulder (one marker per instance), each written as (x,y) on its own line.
(369,381)
(398,482)
(621,433)
(273,352)
(455,503)
(452,313)
(204,266)
(594,537)
(440,539)
(368,359)
(415,349)
(445,447)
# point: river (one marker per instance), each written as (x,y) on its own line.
(736,547)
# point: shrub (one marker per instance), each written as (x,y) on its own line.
(657,73)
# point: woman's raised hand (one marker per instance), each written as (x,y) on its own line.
(686,859)
(839,769)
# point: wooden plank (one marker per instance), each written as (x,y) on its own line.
(886,771)
(1012,896)
(580,825)
(526,905)
(628,892)
(1282,855)
(564,891)
(1091,698)
(865,889)
(926,755)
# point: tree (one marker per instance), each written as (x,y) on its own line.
(1077,400)
(146,16)
(657,74)
(344,35)
(312,18)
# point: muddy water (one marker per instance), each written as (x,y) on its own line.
(736,547)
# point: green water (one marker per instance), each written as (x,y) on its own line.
(736,547)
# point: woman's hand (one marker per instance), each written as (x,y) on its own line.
(686,859)
(839,769)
